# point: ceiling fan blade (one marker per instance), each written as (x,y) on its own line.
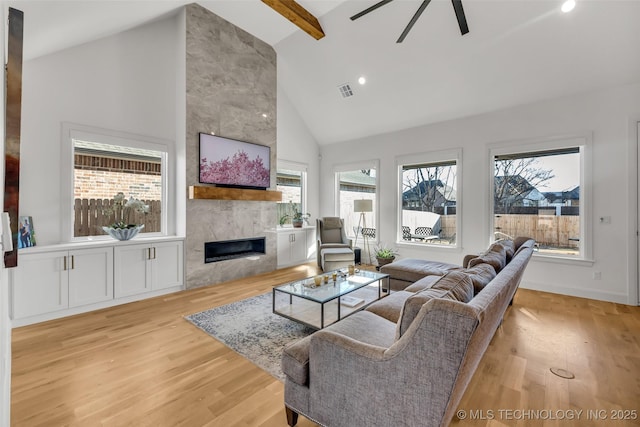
(462,20)
(421,9)
(370,9)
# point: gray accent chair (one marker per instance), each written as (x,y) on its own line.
(330,234)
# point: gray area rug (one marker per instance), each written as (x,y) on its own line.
(250,328)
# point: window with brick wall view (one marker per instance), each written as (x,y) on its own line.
(101,171)
(537,194)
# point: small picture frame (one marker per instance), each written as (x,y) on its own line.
(26,233)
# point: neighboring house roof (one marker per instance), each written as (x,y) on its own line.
(358,178)
(447,192)
(562,196)
(517,189)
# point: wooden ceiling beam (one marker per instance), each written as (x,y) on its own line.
(298,15)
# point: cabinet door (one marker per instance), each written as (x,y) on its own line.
(284,249)
(166,265)
(90,276)
(132,270)
(299,247)
(40,284)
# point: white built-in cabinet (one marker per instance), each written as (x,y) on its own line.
(56,281)
(147,267)
(295,245)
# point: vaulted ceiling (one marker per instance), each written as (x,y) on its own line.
(516,52)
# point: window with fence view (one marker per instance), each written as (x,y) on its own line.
(537,194)
(429,195)
(355,185)
(101,172)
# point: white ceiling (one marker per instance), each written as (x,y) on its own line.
(517,51)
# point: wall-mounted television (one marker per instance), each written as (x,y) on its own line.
(232,163)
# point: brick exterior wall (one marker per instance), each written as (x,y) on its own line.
(103,177)
(95,184)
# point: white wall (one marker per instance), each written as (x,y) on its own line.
(606,114)
(296,144)
(126,83)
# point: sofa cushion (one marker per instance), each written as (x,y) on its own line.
(390,306)
(480,275)
(412,270)
(494,256)
(422,284)
(455,285)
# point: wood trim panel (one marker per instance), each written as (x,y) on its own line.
(223,193)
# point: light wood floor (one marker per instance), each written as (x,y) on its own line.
(142,364)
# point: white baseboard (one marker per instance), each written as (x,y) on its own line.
(91,307)
(575,292)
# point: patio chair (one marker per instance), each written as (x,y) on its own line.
(424,233)
(406,233)
(369,232)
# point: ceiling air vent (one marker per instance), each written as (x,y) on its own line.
(345,90)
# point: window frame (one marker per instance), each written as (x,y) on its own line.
(428,157)
(353,166)
(584,144)
(303,168)
(70,132)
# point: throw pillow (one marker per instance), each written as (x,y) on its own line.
(454,286)
(508,246)
(480,275)
(497,260)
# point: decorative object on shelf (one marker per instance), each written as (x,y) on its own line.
(385,255)
(121,229)
(129,232)
(297,217)
(27,234)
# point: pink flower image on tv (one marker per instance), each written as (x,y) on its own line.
(237,170)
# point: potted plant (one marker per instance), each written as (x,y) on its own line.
(122,210)
(385,255)
(297,217)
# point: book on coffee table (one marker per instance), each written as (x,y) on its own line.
(350,301)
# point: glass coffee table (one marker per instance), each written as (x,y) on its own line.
(320,306)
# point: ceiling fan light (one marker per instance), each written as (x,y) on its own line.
(568,6)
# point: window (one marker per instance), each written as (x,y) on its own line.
(541,193)
(355,183)
(104,165)
(429,197)
(291,180)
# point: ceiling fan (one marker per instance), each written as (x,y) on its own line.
(457,6)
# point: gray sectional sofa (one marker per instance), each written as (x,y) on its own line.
(408,358)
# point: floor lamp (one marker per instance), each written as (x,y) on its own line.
(363,206)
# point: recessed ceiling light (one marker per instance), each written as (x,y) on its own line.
(568,6)
(362,80)
(264,115)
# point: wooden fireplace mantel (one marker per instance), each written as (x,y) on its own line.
(223,193)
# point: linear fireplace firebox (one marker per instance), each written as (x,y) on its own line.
(230,249)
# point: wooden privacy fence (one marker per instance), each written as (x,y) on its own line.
(91,214)
(560,231)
